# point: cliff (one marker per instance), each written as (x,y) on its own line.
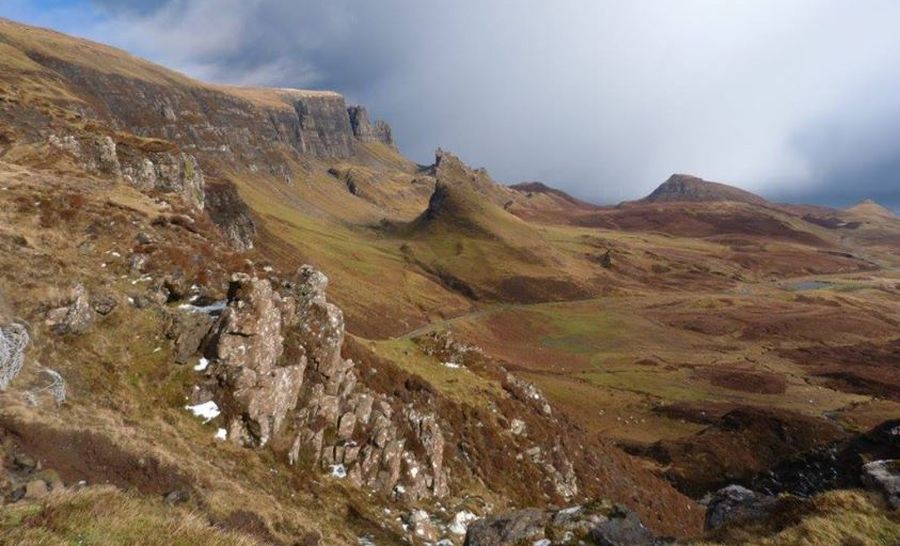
(365,131)
(234,126)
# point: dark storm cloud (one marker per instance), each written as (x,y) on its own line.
(605,99)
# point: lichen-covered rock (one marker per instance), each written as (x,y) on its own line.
(257,389)
(321,324)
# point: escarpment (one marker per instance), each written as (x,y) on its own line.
(234,126)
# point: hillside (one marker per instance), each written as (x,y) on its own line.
(243,316)
(687,188)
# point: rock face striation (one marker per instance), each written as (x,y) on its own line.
(277,371)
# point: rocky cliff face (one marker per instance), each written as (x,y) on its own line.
(366,131)
(217,124)
(165,170)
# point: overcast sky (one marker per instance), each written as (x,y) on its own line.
(796,100)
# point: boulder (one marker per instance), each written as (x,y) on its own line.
(884,476)
(599,522)
(509,529)
(104,303)
(76,317)
(737,504)
(188,330)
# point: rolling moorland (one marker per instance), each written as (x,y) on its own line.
(246,318)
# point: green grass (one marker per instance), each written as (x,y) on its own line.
(459,384)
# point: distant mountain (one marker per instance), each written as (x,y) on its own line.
(870,209)
(687,188)
(530,188)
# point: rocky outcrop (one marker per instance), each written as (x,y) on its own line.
(737,504)
(75,317)
(276,368)
(257,388)
(884,477)
(229,212)
(598,523)
(167,171)
(365,131)
(14,339)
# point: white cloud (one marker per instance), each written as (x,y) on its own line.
(602,98)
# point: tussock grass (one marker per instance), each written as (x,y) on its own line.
(106,516)
(835,518)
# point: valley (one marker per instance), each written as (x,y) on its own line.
(413,347)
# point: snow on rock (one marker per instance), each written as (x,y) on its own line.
(221,434)
(201,365)
(461,521)
(211,309)
(338,471)
(207,410)
(452,365)
(542,542)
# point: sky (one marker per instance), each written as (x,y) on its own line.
(798,101)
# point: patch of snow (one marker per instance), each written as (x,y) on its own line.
(452,365)
(210,309)
(158,349)
(542,542)
(569,511)
(103,264)
(201,365)
(461,521)
(221,434)
(365,540)
(207,410)
(338,471)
